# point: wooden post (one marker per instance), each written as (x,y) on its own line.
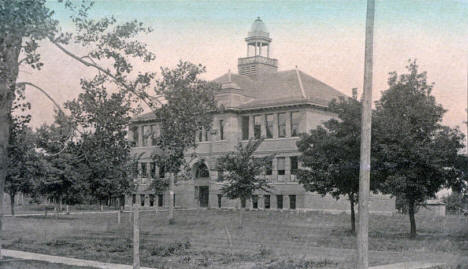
(364,171)
(171,198)
(118,217)
(136,234)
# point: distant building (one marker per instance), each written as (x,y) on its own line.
(259,101)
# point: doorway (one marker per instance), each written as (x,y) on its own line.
(204,196)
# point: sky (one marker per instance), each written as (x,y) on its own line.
(324,38)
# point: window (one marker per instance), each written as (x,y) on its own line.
(269,120)
(154,134)
(280,166)
(266,199)
(294,165)
(282,125)
(142,199)
(295,120)
(269,168)
(279,201)
(151,200)
(254,201)
(143,171)
(135,169)
(146,134)
(205,132)
(200,135)
(153,170)
(221,129)
(245,127)
(133,199)
(257,127)
(243,202)
(160,200)
(292,201)
(220,197)
(162,171)
(136,136)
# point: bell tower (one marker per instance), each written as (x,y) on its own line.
(258,59)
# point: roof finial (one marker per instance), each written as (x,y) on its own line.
(229,76)
(296,67)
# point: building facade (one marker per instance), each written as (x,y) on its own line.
(258,101)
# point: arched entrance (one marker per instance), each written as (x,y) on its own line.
(202,184)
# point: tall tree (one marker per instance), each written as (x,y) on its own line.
(416,154)
(109,46)
(242,172)
(331,154)
(21,152)
(188,107)
(63,170)
(102,119)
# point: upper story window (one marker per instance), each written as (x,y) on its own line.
(143,171)
(294,165)
(221,129)
(153,170)
(269,168)
(162,171)
(281,165)
(295,120)
(200,135)
(257,126)
(245,127)
(269,121)
(135,136)
(154,134)
(281,124)
(146,135)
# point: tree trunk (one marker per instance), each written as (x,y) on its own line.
(10,47)
(241,217)
(171,198)
(12,203)
(353,216)
(412,219)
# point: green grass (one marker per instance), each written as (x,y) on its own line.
(27,264)
(269,239)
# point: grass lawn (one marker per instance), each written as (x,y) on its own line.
(23,264)
(268,239)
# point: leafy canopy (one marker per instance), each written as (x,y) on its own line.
(242,172)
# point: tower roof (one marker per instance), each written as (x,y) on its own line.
(258,29)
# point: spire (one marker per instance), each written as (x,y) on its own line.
(257,60)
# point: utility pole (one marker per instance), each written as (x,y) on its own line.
(136,232)
(366,120)
(171,198)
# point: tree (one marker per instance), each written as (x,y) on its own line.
(331,154)
(242,172)
(188,107)
(63,171)
(102,119)
(416,154)
(22,156)
(109,45)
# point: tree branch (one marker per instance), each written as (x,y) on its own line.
(99,68)
(56,105)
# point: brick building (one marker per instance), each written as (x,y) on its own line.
(258,101)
